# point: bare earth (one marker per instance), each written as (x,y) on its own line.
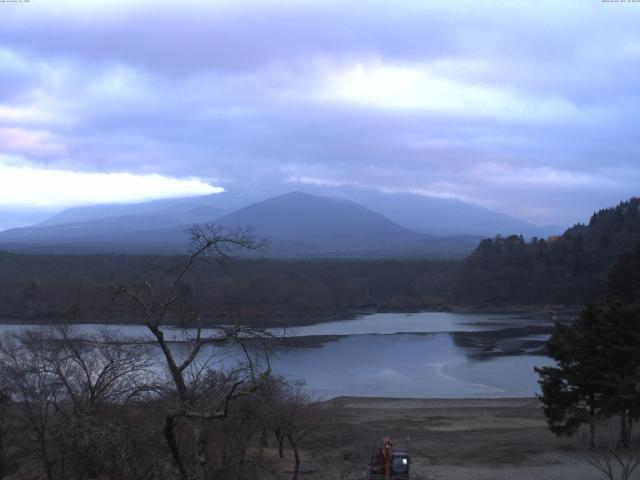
(447,439)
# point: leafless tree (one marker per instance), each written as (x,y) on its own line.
(35,392)
(67,396)
(290,413)
(614,460)
(199,396)
(7,434)
(100,369)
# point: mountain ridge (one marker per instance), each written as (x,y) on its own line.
(298,224)
(424,214)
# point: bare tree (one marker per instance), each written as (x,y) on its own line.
(99,370)
(68,396)
(198,398)
(290,413)
(7,434)
(35,393)
(305,417)
(613,459)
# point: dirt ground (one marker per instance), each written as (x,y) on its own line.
(447,439)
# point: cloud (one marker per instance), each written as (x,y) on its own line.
(28,186)
(540,177)
(29,142)
(416,88)
(526,108)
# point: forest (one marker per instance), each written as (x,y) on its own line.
(569,269)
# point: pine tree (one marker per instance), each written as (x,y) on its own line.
(623,284)
(598,360)
(572,391)
(621,325)
(620,334)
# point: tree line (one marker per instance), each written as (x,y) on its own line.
(570,269)
(50,288)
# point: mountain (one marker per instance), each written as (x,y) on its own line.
(195,209)
(297,224)
(437,216)
(444,216)
(21,217)
(301,224)
(120,234)
(181,210)
(423,214)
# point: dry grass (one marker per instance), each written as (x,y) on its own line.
(447,439)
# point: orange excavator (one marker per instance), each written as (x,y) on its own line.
(387,464)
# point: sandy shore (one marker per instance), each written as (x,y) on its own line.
(447,439)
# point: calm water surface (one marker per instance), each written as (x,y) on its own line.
(396,355)
(406,365)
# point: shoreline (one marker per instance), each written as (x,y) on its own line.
(499,340)
(550,312)
(430,402)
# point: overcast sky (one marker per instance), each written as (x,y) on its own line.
(530,107)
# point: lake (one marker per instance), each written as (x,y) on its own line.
(420,355)
(428,354)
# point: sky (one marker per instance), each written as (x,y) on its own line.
(530,108)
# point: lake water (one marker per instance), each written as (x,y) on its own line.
(400,355)
(408,366)
(413,355)
(423,322)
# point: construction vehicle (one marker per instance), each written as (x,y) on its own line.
(388,464)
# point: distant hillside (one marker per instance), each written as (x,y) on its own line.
(571,268)
(300,224)
(201,208)
(21,217)
(151,227)
(124,234)
(175,210)
(296,224)
(420,213)
(439,216)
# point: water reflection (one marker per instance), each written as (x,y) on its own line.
(423,322)
(407,365)
(439,354)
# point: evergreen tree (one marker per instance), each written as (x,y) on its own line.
(598,360)
(621,325)
(567,269)
(572,391)
(620,358)
(623,285)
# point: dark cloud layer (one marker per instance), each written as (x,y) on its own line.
(529,108)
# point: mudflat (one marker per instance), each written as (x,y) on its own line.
(454,439)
